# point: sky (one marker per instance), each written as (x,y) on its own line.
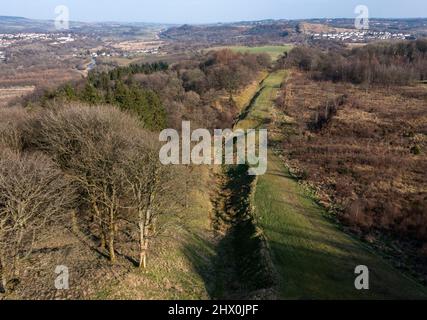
(210,11)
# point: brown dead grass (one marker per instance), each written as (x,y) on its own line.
(11,93)
(363,162)
(39,78)
(320,28)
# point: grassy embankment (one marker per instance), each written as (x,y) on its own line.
(313,258)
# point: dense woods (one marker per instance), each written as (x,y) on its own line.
(84,156)
(387,64)
(114,87)
(162,95)
(91,168)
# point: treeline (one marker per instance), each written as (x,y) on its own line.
(91,170)
(164,96)
(191,90)
(119,73)
(113,87)
(388,63)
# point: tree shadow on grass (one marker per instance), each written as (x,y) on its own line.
(238,268)
(240,265)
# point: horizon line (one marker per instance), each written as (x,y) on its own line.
(217,22)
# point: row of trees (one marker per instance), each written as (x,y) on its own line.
(91,169)
(98,79)
(388,63)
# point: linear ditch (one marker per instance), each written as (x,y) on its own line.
(243,267)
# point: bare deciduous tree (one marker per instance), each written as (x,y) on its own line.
(33,192)
(11,120)
(116,165)
(88,144)
(154,190)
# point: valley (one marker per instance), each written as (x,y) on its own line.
(85,115)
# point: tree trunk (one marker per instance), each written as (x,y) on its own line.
(142,251)
(3,279)
(16,257)
(144,229)
(186,194)
(99,226)
(143,258)
(111,237)
(74,225)
(103,236)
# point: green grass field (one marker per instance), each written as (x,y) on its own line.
(273,51)
(313,258)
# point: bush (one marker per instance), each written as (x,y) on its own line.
(416,150)
(11,120)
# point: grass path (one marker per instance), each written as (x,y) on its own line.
(313,258)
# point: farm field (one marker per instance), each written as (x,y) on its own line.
(8,94)
(273,51)
(144,58)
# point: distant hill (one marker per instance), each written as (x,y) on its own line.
(20,24)
(245,31)
(237,32)
(11,18)
(9,24)
(268,31)
(306,27)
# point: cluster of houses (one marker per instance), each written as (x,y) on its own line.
(63,40)
(113,52)
(99,53)
(361,36)
(9,39)
(104,54)
(148,51)
(2,56)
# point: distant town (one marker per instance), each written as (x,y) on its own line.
(124,49)
(362,36)
(8,39)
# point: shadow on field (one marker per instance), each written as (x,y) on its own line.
(241,267)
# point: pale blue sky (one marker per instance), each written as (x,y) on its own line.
(206,11)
